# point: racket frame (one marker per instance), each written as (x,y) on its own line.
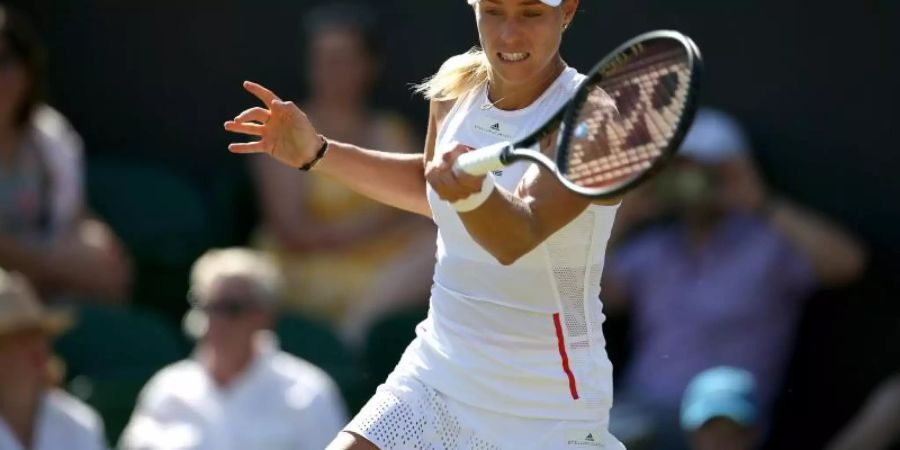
(695,62)
(504,153)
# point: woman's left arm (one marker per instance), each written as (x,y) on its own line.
(509,224)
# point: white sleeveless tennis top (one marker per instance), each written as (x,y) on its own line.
(523,339)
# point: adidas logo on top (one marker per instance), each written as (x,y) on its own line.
(494,127)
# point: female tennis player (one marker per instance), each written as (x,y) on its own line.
(512,355)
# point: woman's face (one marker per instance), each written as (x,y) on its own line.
(340,67)
(521,37)
(13,83)
(234,315)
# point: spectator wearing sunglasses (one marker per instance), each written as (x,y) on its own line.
(238,390)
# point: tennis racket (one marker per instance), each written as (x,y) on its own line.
(623,123)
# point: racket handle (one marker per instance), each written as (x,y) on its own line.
(483,160)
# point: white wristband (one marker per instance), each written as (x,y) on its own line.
(477,199)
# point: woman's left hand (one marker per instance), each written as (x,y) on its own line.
(284,131)
(450,186)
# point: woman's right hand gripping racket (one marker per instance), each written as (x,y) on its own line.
(623,123)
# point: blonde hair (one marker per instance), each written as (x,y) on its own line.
(236,262)
(457,76)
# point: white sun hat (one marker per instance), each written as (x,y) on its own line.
(546,2)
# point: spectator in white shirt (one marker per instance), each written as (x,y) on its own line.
(33,414)
(238,391)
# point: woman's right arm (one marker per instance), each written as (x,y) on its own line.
(285,133)
(395,179)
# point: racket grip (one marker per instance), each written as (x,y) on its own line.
(483,160)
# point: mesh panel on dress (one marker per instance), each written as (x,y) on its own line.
(570,258)
(391,423)
(442,423)
(569,262)
(420,420)
(452,435)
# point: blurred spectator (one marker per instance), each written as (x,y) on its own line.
(719,410)
(877,425)
(33,414)
(238,391)
(45,232)
(724,282)
(346,258)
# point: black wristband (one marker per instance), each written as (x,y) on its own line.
(319,155)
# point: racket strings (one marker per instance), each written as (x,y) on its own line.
(612,144)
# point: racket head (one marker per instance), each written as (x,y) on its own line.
(629,115)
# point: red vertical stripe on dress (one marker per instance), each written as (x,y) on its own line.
(560,339)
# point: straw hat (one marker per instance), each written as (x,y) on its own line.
(21,310)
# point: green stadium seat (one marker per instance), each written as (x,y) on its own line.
(163,221)
(160,216)
(108,341)
(111,352)
(232,203)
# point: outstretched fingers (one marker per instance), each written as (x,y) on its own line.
(251,129)
(248,147)
(257,114)
(263,94)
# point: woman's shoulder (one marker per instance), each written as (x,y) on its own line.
(440,109)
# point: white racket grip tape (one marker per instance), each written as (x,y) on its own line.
(477,199)
(482,160)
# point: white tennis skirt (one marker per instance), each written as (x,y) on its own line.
(405,414)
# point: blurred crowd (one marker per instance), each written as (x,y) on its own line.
(274,341)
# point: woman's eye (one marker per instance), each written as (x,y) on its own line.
(492,12)
(531,14)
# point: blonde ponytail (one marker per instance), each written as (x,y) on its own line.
(457,76)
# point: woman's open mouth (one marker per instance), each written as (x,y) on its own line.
(513,57)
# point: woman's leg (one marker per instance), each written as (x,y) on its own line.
(346,440)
